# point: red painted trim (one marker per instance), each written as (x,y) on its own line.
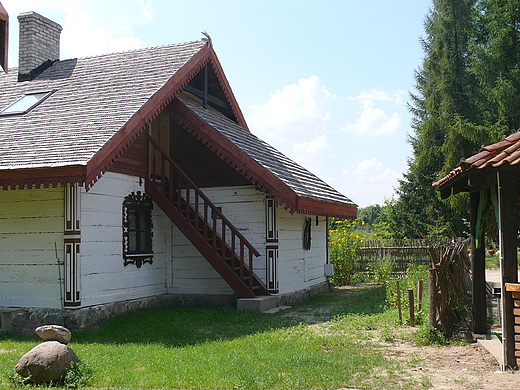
(114,148)
(5,44)
(39,177)
(226,87)
(262,178)
(326,209)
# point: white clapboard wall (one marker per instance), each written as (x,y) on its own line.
(299,268)
(104,277)
(245,208)
(31,222)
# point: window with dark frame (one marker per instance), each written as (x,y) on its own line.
(137,229)
(26,103)
(307,233)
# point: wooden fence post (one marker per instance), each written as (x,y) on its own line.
(419,295)
(412,309)
(398,286)
(433,297)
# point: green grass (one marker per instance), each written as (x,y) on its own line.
(492,261)
(326,344)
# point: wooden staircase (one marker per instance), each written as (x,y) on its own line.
(214,236)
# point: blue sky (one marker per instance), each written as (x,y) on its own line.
(326,82)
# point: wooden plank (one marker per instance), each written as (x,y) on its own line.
(507,194)
(516,302)
(198,241)
(517,329)
(513,287)
(515,295)
(34,273)
(478,268)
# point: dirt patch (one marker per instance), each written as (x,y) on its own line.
(468,366)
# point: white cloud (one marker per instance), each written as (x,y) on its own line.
(146,8)
(369,182)
(312,154)
(82,35)
(86,30)
(315,146)
(379,95)
(298,111)
(373,120)
(294,120)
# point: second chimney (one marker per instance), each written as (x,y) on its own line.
(39,44)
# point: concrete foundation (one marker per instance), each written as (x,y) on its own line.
(28,319)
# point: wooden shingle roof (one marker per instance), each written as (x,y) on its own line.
(95,97)
(101,105)
(263,164)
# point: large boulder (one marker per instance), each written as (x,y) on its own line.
(47,362)
(54,333)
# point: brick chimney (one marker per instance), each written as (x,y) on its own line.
(39,44)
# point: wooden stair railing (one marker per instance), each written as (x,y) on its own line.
(215,237)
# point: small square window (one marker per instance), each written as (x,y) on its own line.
(137,229)
(26,103)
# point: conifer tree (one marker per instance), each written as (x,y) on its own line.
(495,61)
(444,99)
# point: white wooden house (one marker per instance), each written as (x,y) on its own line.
(131,179)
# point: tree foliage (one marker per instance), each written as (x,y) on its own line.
(466,96)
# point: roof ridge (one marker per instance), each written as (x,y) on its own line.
(11,69)
(139,49)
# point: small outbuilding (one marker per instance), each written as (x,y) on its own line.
(491,177)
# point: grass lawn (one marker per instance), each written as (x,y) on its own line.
(327,343)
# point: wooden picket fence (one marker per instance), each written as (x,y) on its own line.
(400,254)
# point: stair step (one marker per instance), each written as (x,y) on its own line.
(221,248)
(257,305)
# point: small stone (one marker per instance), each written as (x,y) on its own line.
(54,333)
(47,362)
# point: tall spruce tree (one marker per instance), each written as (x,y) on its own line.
(495,61)
(444,100)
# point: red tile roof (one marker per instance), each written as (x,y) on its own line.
(505,152)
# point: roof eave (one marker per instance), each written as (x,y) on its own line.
(326,209)
(238,159)
(26,178)
(256,173)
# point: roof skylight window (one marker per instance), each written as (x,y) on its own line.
(26,103)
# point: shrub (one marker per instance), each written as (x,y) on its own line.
(428,335)
(344,248)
